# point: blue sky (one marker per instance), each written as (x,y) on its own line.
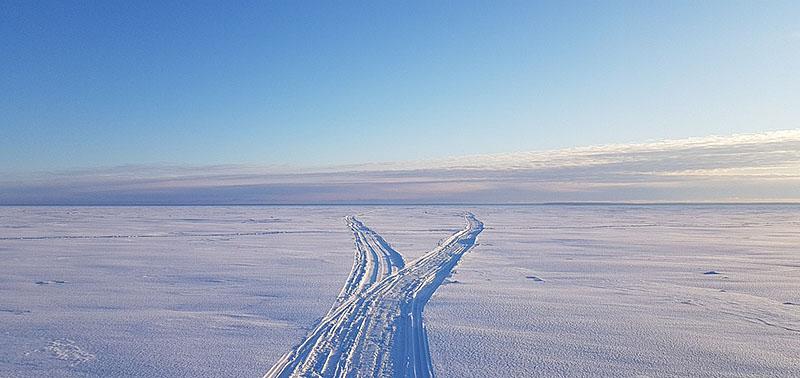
(92,84)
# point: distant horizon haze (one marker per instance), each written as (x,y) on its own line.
(741,168)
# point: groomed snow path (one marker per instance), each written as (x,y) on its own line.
(375,328)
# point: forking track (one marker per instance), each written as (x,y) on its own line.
(375,327)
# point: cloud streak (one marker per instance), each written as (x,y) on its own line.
(739,168)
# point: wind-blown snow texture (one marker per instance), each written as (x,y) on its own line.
(545,290)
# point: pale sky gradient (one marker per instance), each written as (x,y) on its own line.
(91,84)
(762,167)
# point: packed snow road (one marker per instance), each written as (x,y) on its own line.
(375,328)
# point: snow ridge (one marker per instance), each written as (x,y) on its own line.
(376,328)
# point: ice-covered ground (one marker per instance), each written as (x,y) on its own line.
(547,290)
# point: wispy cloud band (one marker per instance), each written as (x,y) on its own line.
(748,167)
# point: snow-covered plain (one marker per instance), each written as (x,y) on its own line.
(545,291)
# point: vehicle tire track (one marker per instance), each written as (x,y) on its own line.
(377,329)
(374,260)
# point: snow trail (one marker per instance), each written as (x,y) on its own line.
(376,328)
(374,260)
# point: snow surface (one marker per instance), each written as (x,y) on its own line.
(546,290)
(375,328)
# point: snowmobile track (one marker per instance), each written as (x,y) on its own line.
(375,328)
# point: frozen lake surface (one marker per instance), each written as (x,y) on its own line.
(544,291)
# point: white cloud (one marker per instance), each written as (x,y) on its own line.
(747,167)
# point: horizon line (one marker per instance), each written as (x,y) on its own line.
(558,203)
